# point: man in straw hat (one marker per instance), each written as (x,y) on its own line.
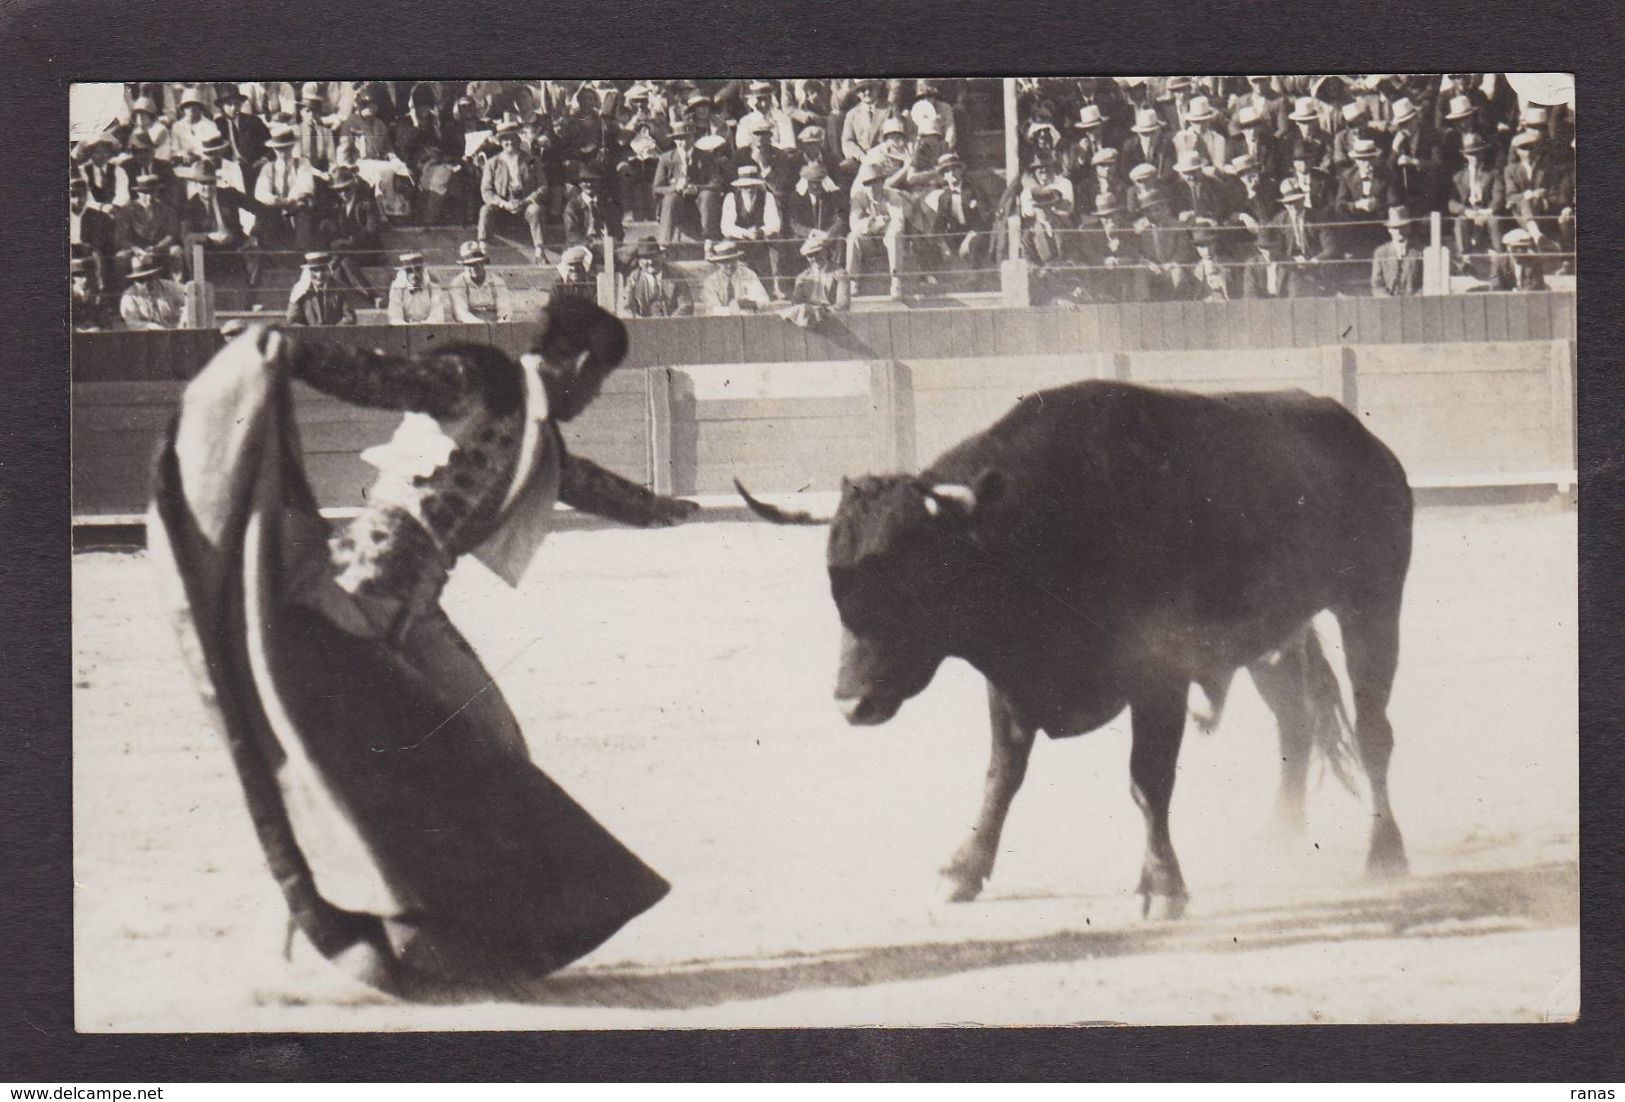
(476,293)
(817,202)
(314,130)
(877,220)
(148,224)
(152,301)
(1412,154)
(1205,131)
(1253,138)
(1477,199)
(511,187)
(1196,194)
(589,213)
(1267,105)
(651,290)
(108,183)
(823,288)
(413,297)
(144,120)
(781,128)
(751,217)
(192,128)
(1365,192)
(1538,192)
(1396,265)
(316,299)
(731,287)
(575,276)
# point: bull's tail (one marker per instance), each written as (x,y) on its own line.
(1333,734)
(773,512)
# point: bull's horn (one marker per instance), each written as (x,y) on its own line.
(773,512)
(959,494)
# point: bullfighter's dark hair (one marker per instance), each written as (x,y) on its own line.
(571,325)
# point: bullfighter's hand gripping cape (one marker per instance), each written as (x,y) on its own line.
(414,841)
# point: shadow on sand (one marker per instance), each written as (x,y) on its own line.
(1456,905)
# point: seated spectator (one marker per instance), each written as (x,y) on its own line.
(369,132)
(1253,138)
(228,174)
(702,117)
(87,304)
(1261,271)
(1478,197)
(931,114)
(781,128)
(413,297)
(1112,255)
(1317,188)
(891,153)
(1205,132)
(421,143)
(688,190)
(144,120)
(212,217)
(777,167)
(1396,266)
(822,289)
(651,291)
(352,229)
(1255,198)
(1537,193)
(1149,145)
(1518,268)
(286,189)
(478,295)
(152,301)
(813,147)
(1144,184)
(956,225)
(588,214)
(148,225)
(108,183)
(750,217)
(192,129)
(90,231)
(1041,176)
(860,128)
(1265,104)
(817,202)
(245,134)
(1042,229)
(1364,192)
(315,300)
(1309,132)
(139,161)
(1196,194)
(511,187)
(1412,156)
(731,288)
(1301,246)
(575,274)
(877,222)
(1210,278)
(647,131)
(1357,126)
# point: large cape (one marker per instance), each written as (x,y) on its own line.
(361,759)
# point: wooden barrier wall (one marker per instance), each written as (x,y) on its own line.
(787,410)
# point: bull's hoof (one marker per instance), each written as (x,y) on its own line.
(1163,908)
(959,887)
(1387,860)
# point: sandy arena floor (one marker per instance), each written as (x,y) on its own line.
(678,682)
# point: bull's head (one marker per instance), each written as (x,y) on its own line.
(908,578)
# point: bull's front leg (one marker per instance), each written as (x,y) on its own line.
(972,864)
(1158,717)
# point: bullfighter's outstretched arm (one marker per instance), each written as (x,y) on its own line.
(438,384)
(585,485)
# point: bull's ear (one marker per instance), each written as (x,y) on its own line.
(953,499)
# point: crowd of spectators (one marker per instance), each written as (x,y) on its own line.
(800,194)
(1210,188)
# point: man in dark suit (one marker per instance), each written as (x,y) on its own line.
(1196,194)
(1365,192)
(315,299)
(245,135)
(955,222)
(1111,254)
(1300,246)
(1396,266)
(352,228)
(1477,199)
(212,217)
(588,213)
(817,202)
(686,187)
(1150,144)
(1253,139)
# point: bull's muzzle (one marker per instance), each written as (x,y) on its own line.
(867,711)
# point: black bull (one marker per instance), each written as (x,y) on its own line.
(1105,546)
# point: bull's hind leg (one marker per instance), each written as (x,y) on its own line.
(1371,642)
(1279,676)
(972,864)
(1158,721)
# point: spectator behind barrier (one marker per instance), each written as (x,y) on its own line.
(651,291)
(151,301)
(732,287)
(476,294)
(413,297)
(1396,266)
